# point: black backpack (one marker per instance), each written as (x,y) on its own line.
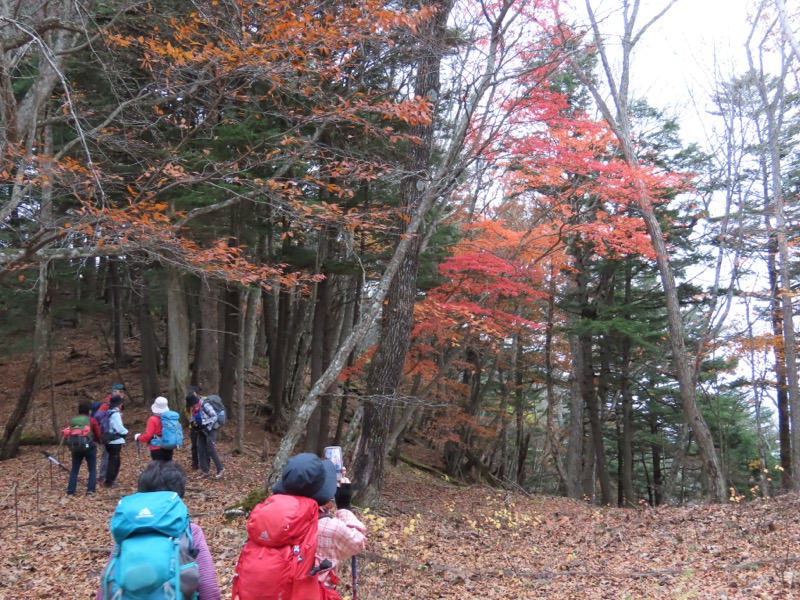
(79,434)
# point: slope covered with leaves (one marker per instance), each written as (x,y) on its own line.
(433,539)
(430,539)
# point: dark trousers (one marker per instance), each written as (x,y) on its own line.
(193,435)
(90,456)
(161,454)
(207,449)
(114,460)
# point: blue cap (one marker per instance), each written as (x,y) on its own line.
(117,386)
(309,476)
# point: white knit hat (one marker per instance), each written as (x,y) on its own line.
(160,406)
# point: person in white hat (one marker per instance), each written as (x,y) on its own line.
(153,431)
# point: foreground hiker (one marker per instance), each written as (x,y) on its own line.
(163,431)
(146,562)
(82,436)
(204,418)
(341,536)
(116,439)
(293,542)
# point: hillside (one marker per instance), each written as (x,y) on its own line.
(430,539)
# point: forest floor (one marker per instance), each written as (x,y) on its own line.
(430,538)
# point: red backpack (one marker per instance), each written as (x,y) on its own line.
(278,561)
(78,434)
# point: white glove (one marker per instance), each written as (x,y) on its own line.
(136,437)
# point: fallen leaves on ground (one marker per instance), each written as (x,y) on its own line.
(430,539)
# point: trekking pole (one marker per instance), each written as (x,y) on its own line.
(354,569)
(139,455)
(54,461)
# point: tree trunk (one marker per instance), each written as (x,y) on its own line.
(12,434)
(151,386)
(774,113)
(322,307)
(655,449)
(575,449)
(626,442)
(620,125)
(592,401)
(241,382)
(520,409)
(230,347)
(553,403)
(782,397)
(251,325)
(206,358)
(177,338)
(386,368)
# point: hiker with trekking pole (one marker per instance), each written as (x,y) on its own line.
(296,538)
(206,419)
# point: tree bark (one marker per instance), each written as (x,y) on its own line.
(782,397)
(151,386)
(230,348)
(206,359)
(177,338)
(575,449)
(626,442)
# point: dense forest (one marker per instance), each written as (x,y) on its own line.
(447,224)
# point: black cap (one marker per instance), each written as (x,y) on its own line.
(309,476)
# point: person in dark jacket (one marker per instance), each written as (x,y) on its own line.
(204,418)
(89,455)
(114,447)
(117,391)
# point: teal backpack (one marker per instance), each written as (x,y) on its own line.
(171,431)
(153,557)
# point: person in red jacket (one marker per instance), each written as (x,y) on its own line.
(154,429)
(89,455)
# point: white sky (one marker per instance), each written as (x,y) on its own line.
(681,55)
(675,62)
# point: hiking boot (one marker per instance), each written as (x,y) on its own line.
(111,485)
(220,474)
(203,476)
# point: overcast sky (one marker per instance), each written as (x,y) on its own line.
(674,63)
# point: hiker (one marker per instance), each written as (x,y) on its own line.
(116,439)
(87,451)
(341,535)
(204,418)
(117,390)
(194,426)
(161,484)
(291,529)
(154,431)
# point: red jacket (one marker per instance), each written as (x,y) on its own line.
(153,430)
(95,427)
